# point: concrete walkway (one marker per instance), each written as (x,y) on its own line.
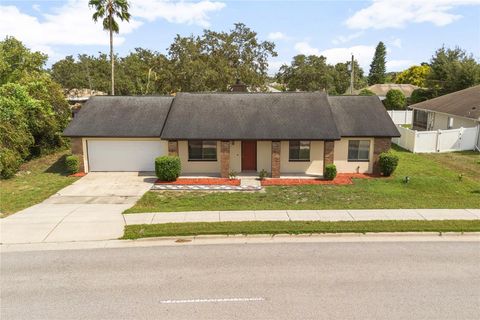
(303,215)
(89,209)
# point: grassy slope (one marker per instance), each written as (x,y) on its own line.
(36,181)
(434,184)
(289,227)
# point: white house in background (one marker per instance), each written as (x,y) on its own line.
(459,109)
(381,90)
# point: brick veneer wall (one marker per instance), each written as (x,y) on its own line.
(380,145)
(173,148)
(224,159)
(77,149)
(276,159)
(328,151)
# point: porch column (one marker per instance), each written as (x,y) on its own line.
(77,149)
(173,148)
(224,159)
(379,145)
(328,151)
(275,159)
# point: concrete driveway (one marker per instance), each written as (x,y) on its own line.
(89,209)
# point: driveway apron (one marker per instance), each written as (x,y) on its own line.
(89,209)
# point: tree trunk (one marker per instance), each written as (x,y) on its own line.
(111,56)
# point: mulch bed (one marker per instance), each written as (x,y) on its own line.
(202,181)
(340,179)
(78,174)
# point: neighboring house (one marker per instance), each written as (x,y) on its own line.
(77,97)
(381,90)
(215,133)
(451,111)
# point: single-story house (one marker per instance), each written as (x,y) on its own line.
(216,133)
(382,89)
(451,111)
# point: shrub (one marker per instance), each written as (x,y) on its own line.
(232,174)
(167,168)
(395,100)
(330,172)
(9,163)
(366,92)
(72,162)
(388,163)
(262,174)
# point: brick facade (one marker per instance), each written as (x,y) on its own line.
(173,148)
(380,145)
(224,159)
(276,159)
(77,149)
(328,152)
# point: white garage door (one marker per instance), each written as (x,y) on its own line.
(124,155)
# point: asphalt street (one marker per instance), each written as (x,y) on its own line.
(357,280)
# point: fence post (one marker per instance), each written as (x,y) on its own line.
(437,144)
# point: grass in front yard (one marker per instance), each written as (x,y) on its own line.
(37,180)
(296,227)
(434,183)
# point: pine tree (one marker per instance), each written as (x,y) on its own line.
(377,67)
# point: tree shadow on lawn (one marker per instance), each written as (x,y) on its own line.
(58,167)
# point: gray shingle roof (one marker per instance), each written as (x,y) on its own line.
(362,116)
(463,103)
(120,116)
(259,116)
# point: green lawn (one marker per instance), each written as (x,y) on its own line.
(36,181)
(434,183)
(297,227)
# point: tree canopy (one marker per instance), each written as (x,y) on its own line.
(378,65)
(416,75)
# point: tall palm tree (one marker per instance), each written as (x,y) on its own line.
(109,10)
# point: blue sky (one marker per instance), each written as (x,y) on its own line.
(411,29)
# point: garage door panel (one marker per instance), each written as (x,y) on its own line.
(124,155)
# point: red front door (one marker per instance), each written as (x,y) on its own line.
(249,155)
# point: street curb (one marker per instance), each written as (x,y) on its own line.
(248,239)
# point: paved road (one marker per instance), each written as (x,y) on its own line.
(89,209)
(397,280)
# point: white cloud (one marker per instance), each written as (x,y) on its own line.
(399,65)
(176,12)
(274,66)
(305,48)
(72,24)
(343,39)
(396,14)
(397,43)
(362,53)
(277,36)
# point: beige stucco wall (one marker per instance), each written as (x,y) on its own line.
(341,157)
(197,167)
(440,122)
(312,167)
(236,156)
(264,156)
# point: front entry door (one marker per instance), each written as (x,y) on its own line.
(249,155)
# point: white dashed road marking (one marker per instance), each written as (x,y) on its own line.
(213,300)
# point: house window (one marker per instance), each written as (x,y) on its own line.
(299,151)
(202,150)
(358,150)
(450,123)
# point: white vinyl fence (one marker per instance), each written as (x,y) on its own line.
(401,116)
(438,141)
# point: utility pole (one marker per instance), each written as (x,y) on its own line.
(352,68)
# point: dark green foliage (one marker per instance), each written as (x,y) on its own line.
(167,168)
(419,95)
(72,163)
(330,172)
(388,162)
(312,73)
(378,65)
(10,161)
(366,92)
(395,100)
(452,70)
(262,174)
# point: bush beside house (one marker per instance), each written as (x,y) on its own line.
(72,162)
(330,172)
(388,162)
(167,168)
